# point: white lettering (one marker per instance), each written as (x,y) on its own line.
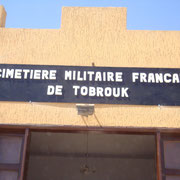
(58,90)
(108,92)
(76,90)
(9,73)
(167,78)
(110,76)
(92,91)
(37,74)
(26,71)
(45,74)
(98,76)
(135,76)
(52,74)
(18,73)
(50,90)
(90,73)
(159,77)
(116,92)
(175,78)
(124,92)
(99,92)
(68,75)
(151,78)
(79,78)
(143,77)
(84,91)
(119,76)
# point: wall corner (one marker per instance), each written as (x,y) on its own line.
(3,15)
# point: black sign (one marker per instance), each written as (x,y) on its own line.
(92,85)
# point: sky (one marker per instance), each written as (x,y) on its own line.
(46,14)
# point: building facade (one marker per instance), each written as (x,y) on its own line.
(92,37)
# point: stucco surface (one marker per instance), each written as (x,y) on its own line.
(90,35)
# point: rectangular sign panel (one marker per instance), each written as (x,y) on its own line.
(92,85)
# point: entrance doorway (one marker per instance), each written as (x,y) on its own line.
(91,156)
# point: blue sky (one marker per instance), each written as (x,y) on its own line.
(46,14)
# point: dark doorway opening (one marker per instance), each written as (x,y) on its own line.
(91,156)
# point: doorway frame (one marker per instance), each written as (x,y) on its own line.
(27,129)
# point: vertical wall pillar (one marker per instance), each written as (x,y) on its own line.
(2,16)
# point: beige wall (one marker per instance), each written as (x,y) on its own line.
(89,35)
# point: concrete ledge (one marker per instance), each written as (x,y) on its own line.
(2,16)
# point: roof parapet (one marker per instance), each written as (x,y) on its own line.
(94,18)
